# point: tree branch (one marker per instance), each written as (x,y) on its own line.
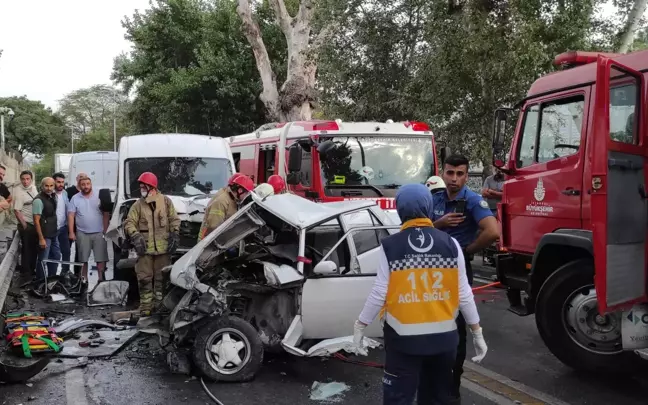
(270,94)
(632,23)
(283,18)
(305,13)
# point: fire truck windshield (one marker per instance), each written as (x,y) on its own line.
(179,176)
(384,162)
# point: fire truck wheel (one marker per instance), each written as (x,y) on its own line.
(228,349)
(569,323)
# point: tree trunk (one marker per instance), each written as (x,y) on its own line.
(293,101)
(630,28)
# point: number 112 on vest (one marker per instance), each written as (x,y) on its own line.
(430,283)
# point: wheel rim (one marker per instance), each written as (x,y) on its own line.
(228,351)
(600,334)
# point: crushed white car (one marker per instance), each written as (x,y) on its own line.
(283,274)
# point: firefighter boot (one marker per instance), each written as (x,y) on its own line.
(159,263)
(144,271)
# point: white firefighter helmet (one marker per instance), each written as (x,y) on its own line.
(435,183)
(264,190)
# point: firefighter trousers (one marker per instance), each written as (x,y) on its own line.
(405,374)
(149,277)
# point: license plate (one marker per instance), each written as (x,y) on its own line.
(634,328)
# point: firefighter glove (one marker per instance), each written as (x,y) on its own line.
(174,240)
(139,243)
(480,345)
(358,338)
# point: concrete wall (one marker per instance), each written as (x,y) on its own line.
(14,166)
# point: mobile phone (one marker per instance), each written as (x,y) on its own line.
(460,206)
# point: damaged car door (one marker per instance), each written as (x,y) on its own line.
(338,285)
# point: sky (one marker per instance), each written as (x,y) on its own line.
(51,48)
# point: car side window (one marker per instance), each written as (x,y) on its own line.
(365,240)
(623,105)
(526,150)
(321,239)
(551,131)
(560,128)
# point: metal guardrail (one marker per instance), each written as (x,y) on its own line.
(8,266)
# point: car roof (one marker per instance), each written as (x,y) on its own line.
(302,213)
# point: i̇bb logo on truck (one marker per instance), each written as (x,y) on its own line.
(538,207)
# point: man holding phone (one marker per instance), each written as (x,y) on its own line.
(463,214)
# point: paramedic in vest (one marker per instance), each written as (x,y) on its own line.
(475,229)
(225,203)
(45,222)
(422,285)
(153,227)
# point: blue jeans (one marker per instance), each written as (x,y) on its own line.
(52,245)
(61,250)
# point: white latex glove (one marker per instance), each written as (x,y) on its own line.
(480,345)
(358,337)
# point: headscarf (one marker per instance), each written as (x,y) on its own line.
(413,201)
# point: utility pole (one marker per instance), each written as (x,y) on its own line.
(114,119)
(72,139)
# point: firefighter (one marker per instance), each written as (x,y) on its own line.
(420,286)
(435,184)
(277,183)
(153,227)
(225,203)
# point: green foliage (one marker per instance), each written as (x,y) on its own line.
(192,68)
(451,63)
(34,128)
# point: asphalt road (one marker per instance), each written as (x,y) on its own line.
(517,368)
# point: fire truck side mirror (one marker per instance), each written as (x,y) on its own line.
(444,153)
(294,158)
(499,130)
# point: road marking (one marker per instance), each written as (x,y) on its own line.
(485,393)
(75,392)
(507,390)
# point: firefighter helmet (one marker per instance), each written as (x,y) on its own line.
(241,182)
(149,179)
(277,183)
(264,190)
(435,183)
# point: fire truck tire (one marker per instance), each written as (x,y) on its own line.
(236,341)
(569,287)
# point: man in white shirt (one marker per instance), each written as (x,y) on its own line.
(23,200)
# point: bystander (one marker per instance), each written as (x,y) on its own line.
(85,214)
(62,234)
(23,199)
(44,210)
(492,190)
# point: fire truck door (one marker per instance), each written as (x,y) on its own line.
(618,186)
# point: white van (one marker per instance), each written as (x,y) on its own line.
(189,168)
(100,166)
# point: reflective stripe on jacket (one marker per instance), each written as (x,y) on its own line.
(155,218)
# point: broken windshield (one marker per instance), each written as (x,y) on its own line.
(180,176)
(378,161)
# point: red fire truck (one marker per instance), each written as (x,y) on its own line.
(330,161)
(574,214)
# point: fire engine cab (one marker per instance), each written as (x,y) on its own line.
(329,161)
(574,215)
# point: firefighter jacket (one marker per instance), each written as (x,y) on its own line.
(422,300)
(219,209)
(155,218)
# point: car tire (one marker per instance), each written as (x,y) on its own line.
(567,291)
(242,334)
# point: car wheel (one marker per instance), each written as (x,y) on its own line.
(228,349)
(569,323)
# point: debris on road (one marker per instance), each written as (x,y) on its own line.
(328,392)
